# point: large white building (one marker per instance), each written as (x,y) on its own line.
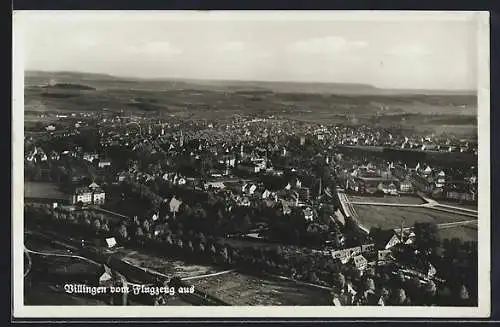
(83,195)
(93,194)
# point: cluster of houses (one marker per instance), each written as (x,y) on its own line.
(371,179)
(397,179)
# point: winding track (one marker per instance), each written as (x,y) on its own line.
(429,203)
(51,254)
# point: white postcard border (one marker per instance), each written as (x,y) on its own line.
(52,312)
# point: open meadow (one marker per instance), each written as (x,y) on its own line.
(239,289)
(403,199)
(42,190)
(464,233)
(233,287)
(390,217)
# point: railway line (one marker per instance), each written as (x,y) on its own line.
(130,274)
(213,287)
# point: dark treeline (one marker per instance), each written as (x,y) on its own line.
(385,284)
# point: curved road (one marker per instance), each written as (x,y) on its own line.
(30,263)
(50,254)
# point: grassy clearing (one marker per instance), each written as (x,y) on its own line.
(239,289)
(167,266)
(465,233)
(387,199)
(235,288)
(43,191)
(390,217)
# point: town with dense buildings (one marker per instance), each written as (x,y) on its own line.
(368,215)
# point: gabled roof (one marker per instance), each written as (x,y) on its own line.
(93,185)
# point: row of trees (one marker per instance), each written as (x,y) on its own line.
(376,286)
(216,213)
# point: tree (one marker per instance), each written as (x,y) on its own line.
(122,231)
(246,223)
(105,226)
(463,296)
(429,293)
(146,225)
(400,297)
(426,238)
(413,289)
(97,224)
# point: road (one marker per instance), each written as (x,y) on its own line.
(349,210)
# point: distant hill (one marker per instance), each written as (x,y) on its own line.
(109,81)
(68,86)
(80,92)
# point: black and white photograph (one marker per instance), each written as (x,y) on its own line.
(298,164)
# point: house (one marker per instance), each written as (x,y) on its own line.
(429,147)
(308,214)
(459,191)
(285,208)
(90,157)
(54,156)
(441,179)
(104,163)
(249,167)
(260,163)
(98,196)
(83,195)
(360,262)
(385,239)
(388,188)
(304,193)
(252,189)
(93,186)
(291,198)
(216,184)
(243,201)
(405,186)
(427,170)
(392,242)
(106,277)
(122,177)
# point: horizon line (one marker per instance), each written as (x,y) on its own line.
(173,78)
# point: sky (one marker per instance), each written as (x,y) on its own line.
(388,50)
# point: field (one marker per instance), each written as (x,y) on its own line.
(387,199)
(390,217)
(166,266)
(239,289)
(48,191)
(465,233)
(233,287)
